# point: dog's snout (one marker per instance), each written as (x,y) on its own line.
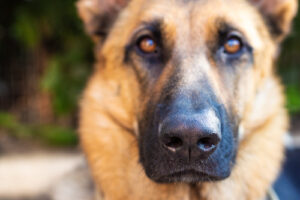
(196,135)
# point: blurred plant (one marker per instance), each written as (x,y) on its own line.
(49,31)
(289,67)
(54,26)
(49,134)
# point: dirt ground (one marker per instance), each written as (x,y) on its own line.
(27,176)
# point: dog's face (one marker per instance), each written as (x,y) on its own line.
(195,61)
(197,68)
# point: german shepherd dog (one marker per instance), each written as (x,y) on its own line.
(184,102)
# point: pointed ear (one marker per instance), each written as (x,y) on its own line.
(99,15)
(278,15)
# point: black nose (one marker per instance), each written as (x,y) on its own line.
(197,135)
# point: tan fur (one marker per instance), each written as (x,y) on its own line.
(111,102)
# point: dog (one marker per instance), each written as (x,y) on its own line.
(184,102)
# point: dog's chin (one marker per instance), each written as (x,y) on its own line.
(189,176)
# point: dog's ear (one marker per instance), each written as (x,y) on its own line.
(99,15)
(278,14)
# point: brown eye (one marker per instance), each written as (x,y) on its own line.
(147,45)
(232,45)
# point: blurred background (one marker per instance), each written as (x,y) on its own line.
(45,60)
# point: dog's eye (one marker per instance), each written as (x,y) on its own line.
(233,45)
(147,44)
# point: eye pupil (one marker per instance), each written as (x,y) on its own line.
(232,45)
(147,45)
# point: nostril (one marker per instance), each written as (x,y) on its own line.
(173,142)
(207,144)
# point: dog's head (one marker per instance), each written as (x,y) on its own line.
(196,68)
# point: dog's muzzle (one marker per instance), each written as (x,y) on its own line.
(185,142)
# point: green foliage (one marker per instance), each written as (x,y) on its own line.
(10,123)
(293,99)
(56,135)
(50,29)
(64,78)
(48,134)
(54,26)
(289,67)
(26,30)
